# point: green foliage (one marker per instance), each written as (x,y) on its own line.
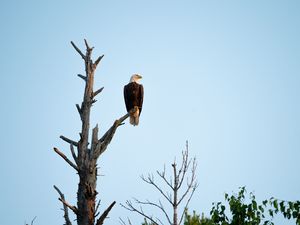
(243,210)
(290,210)
(250,212)
(196,219)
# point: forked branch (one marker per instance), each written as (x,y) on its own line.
(174,199)
(66,213)
(97,92)
(78,50)
(159,206)
(75,143)
(104,141)
(104,214)
(150,180)
(129,206)
(66,158)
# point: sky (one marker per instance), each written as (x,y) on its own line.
(224,75)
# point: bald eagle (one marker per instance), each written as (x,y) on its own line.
(133,96)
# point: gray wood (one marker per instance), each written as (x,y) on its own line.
(85,159)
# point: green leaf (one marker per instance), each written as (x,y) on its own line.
(271,212)
(222,208)
(291,205)
(265,202)
(295,215)
(254,205)
(275,204)
(282,207)
(261,208)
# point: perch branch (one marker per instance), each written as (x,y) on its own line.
(66,158)
(105,213)
(107,137)
(66,213)
(115,125)
(109,134)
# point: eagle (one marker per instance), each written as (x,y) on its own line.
(133,96)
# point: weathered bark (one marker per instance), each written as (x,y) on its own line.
(87,155)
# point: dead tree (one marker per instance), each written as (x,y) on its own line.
(172,196)
(85,158)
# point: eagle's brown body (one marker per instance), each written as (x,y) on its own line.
(133,96)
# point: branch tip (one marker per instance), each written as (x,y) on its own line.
(98,60)
(65,158)
(78,50)
(82,76)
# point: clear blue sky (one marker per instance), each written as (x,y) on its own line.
(223,74)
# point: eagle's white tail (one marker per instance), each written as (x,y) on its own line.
(134,117)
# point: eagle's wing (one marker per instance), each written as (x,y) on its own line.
(126,98)
(141,98)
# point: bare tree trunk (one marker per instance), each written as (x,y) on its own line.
(175,192)
(87,154)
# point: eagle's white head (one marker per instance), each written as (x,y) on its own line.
(135,78)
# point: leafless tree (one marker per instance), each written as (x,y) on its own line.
(172,196)
(85,158)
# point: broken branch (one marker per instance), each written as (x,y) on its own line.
(82,77)
(66,213)
(97,92)
(78,50)
(107,137)
(88,48)
(69,140)
(105,213)
(73,208)
(73,153)
(98,60)
(66,158)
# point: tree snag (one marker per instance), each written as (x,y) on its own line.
(85,160)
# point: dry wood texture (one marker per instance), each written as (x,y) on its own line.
(85,159)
